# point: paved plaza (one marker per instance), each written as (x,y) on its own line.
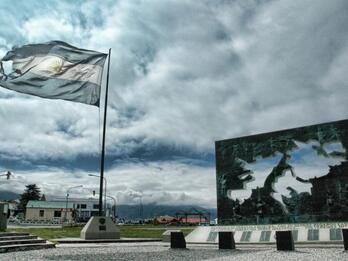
(160,252)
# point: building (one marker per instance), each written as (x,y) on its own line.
(190,221)
(48,210)
(84,208)
(163,220)
(193,221)
(79,210)
(200,217)
(12,207)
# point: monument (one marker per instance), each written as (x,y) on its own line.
(290,180)
(292,176)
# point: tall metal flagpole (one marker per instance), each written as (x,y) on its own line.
(102,158)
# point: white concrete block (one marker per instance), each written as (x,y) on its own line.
(166,234)
(100,228)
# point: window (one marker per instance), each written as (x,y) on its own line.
(83,206)
(313,234)
(212,237)
(335,234)
(41,213)
(265,236)
(245,236)
(94,213)
(57,213)
(95,206)
(78,206)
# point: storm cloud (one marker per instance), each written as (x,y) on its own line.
(183,74)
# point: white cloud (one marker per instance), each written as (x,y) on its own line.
(197,71)
(184,73)
(166,183)
(36,128)
(210,77)
(49,28)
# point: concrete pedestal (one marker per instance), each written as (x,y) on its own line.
(345,238)
(226,240)
(167,233)
(3,216)
(285,242)
(177,240)
(100,228)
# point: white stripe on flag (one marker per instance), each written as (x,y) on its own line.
(56,67)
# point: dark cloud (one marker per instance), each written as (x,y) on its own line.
(183,74)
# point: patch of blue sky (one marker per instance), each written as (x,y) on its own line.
(80,14)
(306,151)
(262,163)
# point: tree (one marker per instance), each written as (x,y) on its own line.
(43,197)
(31,192)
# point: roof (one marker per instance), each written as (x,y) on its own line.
(78,200)
(165,217)
(48,204)
(193,220)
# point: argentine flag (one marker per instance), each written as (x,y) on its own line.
(55,70)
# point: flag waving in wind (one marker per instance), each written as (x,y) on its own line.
(55,70)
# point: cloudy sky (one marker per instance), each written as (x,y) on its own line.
(183,74)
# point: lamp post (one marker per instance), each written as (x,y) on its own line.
(7,174)
(141,210)
(67,199)
(114,199)
(93,175)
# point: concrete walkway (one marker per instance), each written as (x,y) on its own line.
(76,240)
(158,251)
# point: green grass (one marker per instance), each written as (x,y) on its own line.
(50,233)
(148,231)
(130,231)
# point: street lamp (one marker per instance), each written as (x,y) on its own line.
(67,199)
(114,205)
(7,174)
(141,210)
(114,199)
(93,175)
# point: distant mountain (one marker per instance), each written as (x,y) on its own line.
(8,195)
(153,210)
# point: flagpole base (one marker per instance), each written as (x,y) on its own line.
(100,228)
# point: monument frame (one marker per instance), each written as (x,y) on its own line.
(234,156)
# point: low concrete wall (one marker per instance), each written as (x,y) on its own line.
(263,234)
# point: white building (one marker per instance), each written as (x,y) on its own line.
(84,208)
(79,210)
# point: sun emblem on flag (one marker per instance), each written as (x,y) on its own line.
(51,65)
(56,65)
